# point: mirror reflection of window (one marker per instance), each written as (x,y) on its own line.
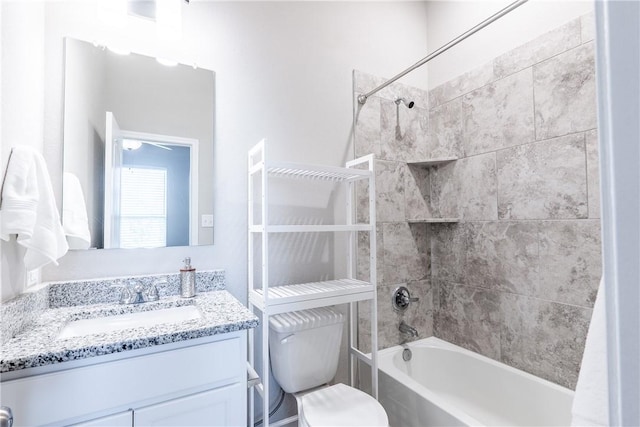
(143,203)
(175,160)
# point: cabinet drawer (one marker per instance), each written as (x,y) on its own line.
(117,385)
(122,419)
(220,407)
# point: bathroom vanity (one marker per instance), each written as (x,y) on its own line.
(175,371)
(200,383)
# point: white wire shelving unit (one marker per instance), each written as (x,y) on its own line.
(266,300)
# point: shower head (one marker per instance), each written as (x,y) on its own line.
(409,104)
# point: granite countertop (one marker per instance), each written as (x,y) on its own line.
(39,345)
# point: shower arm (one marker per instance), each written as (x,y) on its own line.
(363,98)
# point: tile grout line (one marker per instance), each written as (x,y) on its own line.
(495,80)
(528,143)
(506,292)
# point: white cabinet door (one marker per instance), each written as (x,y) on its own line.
(220,407)
(122,419)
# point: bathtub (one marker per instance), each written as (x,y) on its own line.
(446,385)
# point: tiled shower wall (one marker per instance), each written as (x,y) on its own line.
(395,134)
(516,278)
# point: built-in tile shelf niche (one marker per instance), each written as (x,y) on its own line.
(433,162)
(429,163)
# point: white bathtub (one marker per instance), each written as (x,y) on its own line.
(446,385)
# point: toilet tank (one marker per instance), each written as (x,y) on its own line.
(304,347)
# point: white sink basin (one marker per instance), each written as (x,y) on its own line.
(100,325)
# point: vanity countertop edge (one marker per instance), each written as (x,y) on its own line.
(40,344)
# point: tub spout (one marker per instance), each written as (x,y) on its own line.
(406,329)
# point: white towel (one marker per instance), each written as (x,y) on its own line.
(29,209)
(74,213)
(591,400)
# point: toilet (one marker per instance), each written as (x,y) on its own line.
(304,347)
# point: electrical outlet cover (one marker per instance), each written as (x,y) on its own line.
(33,277)
(207,221)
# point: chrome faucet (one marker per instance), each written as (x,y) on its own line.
(136,293)
(406,329)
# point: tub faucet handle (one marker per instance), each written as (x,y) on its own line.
(401,298)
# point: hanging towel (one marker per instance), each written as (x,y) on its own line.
(74,213)
(29,209)
(591,400)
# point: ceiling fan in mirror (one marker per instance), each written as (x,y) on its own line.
(134,144)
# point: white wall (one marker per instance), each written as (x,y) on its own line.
(448,19)
(283,71)
(2,165)
(22,106)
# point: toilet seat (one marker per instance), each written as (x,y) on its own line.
(340,405)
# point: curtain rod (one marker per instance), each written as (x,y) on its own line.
(363,98)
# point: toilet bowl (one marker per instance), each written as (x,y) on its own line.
(304,347)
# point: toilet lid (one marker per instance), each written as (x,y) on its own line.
(341,405)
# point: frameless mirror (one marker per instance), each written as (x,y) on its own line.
(138,151)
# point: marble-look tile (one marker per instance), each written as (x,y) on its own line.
(364,333)
(390,182)
(403,132)
(547,45)
(462,84)
(570,261)
(420,97)
(449,246)
(362,201)
(593,173)
(565,93)
(363,250)
(543,337)
(421,313)
(364,83)
(543,180)
(588,27)
(367,127)
(498,115)
(502,256)
(466,188)
(417,193)
(469,317)
(445,130)
(405,252)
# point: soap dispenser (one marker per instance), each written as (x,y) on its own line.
(187,279)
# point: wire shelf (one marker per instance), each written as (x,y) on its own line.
(291,294)
(320,173)
(303,296)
